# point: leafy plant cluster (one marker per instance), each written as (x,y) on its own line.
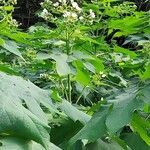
(74,85)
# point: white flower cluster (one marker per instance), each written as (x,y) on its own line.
(14,23)
(76,6)
(92,14)
(14,2)
(45,14)
(88,18)
(56,4)
(73,14)
(69,9)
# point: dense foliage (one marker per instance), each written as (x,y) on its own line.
(78,79)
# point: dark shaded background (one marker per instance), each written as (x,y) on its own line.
(25,11)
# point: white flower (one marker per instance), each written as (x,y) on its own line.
(74,15)
(78,9)
(71,16)
(56,4)
(66,14)
(44,13)
(92,14)
(62,1)
(14,23)
(74,4)
(103,75)
(81,18)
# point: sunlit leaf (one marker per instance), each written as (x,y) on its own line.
(142,127)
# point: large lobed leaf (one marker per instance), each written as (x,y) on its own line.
(20,90)
(15,118)
(94,129)
(124,105)
(119,115)
(13,143)
(21,114)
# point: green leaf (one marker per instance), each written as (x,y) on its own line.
(15,118)
(98,64)
(142,127)
(88,39)
(125,51)
(82,76)
(13,143)
(7,69)
(145,94)
(146,73)
(19,37)
(119,80)
(34,125)
(43,56)
(147,108)
(2,42)
(94,129)
(73,112)
(55,95)
(27,92)
(129,24)
(78,55)
(123,107)
(36,146)
(66,129)
(62,66)
(134,141)
(101,145)
(61,59)
(12,47)
(89,66)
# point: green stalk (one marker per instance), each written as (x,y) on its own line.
(69,88)
(64,91)
(68,77)
(81,94)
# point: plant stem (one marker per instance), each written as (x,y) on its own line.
(80,95)
(68,77)
(69,88)
(64,89)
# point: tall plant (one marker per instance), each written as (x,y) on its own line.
(72,29)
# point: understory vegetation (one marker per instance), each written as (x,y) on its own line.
(78,79)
